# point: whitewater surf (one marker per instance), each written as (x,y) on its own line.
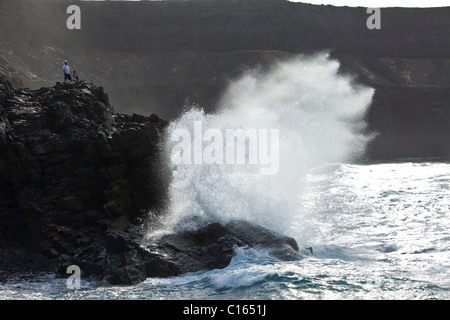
(378,230)
(318,114)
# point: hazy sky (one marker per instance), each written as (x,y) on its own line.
(381,3)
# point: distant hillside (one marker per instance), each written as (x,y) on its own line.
(152,56)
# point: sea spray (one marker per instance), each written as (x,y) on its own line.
(319,116)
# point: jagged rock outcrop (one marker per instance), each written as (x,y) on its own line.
(212,246)
(70,169)
(77,182)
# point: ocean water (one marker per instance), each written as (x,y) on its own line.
(377,230)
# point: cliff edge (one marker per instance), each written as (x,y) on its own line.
(71,169)
(79,183)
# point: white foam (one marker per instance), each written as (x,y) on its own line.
(320,117)
(241,272)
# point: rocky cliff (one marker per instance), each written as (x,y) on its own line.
(78,183)
(153,55)
(77,179)
(69,166)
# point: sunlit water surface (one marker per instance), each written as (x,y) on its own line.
(378,231)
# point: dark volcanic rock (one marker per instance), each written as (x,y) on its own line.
(130,259)
(212,246)
(410,121)
(71,171)
(76,183)
(157,54)
(5,90)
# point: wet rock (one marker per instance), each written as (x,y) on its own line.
(213,246)
(76,183)
(132,259)
(69,170)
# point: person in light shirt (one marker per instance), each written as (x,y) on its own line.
(66,71)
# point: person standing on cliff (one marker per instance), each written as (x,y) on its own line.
(66,71)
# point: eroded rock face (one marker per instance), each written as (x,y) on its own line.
(76,183)
(69,170)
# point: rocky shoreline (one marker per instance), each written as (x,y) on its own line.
(77,182)
(77,179)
